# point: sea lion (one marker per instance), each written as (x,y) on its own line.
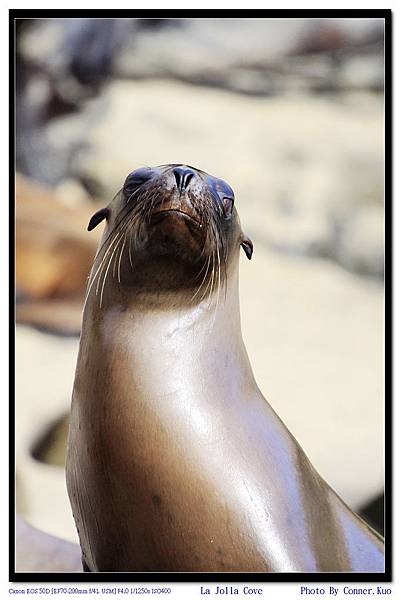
(176,462)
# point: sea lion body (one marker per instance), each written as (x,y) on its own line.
(176,462)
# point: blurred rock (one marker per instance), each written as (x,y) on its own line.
(322,35)
(62,317)
(43,387)
(47,148)
(61,64)
(72,193)
(360,242)
(54,255)
(54,252)
(309,234)
(38,100)
(51,447)
(250,56)
(364,72)
(243,55)
(80,48)
(37,551)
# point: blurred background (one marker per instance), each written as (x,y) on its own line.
(290,113)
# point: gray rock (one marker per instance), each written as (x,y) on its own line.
(364,72)
(255,56)
(359,246)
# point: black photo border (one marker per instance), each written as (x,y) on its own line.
(195,577)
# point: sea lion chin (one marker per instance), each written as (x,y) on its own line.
(176,462)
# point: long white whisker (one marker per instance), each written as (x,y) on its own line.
(130,255)
(203,280)
(218,290)
(93,279)
(115,262)
(113,242)
(212,279)
(119,262)
(105,275)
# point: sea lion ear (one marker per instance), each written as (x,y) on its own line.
(247,246)
(98,217)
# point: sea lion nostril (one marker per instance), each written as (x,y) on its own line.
(182,177)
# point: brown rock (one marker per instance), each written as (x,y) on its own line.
(54,252)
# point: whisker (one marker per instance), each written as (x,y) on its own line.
(92,279)
(127,211)
(119,262)
(126,226)
(203,280)
(105,275)
(114,241)
(209,281)
(218,289)
(130,255)
(152,204)
(115,262)
(212,279)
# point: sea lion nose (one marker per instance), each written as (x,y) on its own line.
(182,175)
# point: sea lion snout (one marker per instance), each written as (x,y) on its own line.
(180,188)
(165,189)
(180,197)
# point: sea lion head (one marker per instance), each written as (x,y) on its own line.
(170,228)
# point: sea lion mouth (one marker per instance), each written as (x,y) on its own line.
(157,216)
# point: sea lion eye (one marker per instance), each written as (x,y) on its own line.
(224,193)
(227,204)
(227,197)
(136,179)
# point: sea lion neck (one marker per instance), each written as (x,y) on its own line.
(184,347)
(165,316)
